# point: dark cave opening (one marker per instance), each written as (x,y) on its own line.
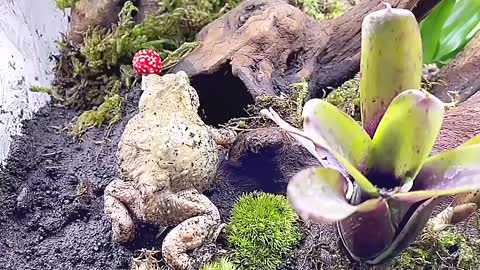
(222,95)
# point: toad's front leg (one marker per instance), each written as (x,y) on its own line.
(198,221)
(223,136)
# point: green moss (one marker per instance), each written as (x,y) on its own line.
(106,50)
(40,89)
(347,97)
(299,94)
(165,32)
(322,9)
(221,264)
(262,231)
(109,111)
(289,107)
(439,250)
(63,4)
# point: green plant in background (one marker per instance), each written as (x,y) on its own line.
(448,29)
(221,264)
(63,4)
(262,231)
(380,175)
(40,89)
(178,23)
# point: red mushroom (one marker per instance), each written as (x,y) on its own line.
(147,62)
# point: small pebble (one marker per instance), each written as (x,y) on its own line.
(8,243)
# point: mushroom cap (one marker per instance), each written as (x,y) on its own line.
(147,62)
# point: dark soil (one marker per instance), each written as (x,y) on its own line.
(51,194)
(48,221)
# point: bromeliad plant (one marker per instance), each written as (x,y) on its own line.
(378,182)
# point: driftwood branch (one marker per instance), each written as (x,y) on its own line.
(462,75)
(270,44)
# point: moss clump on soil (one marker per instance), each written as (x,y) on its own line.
(288,106)
(440,250)
(221,264)
(109,111)
(347,97)
(40,89)
(84,72)
(262,231)
(321,9)
(63,4)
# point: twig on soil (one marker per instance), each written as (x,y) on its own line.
(105,138)
(55,127)
(238,129)
(52,167)
(441,258)
(51,154)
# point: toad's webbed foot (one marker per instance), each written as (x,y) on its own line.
(199,225)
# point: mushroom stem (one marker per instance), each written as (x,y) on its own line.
(144,83)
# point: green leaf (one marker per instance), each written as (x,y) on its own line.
(448,29)
(391,61)
(404,138)
(460,27)
(430,30)
(318,195)
(472,141)
(448,173)
(337,130)
(318,147)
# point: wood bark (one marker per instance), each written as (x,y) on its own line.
(270,44)
(87,14)
(460,124)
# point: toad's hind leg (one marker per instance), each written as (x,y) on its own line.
(117,197)
(199,222)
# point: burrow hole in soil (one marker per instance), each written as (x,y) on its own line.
(222,96)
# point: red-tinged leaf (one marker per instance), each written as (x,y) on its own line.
(320,149)
(318,195)
(410,231)
(448,173)
(367,234)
